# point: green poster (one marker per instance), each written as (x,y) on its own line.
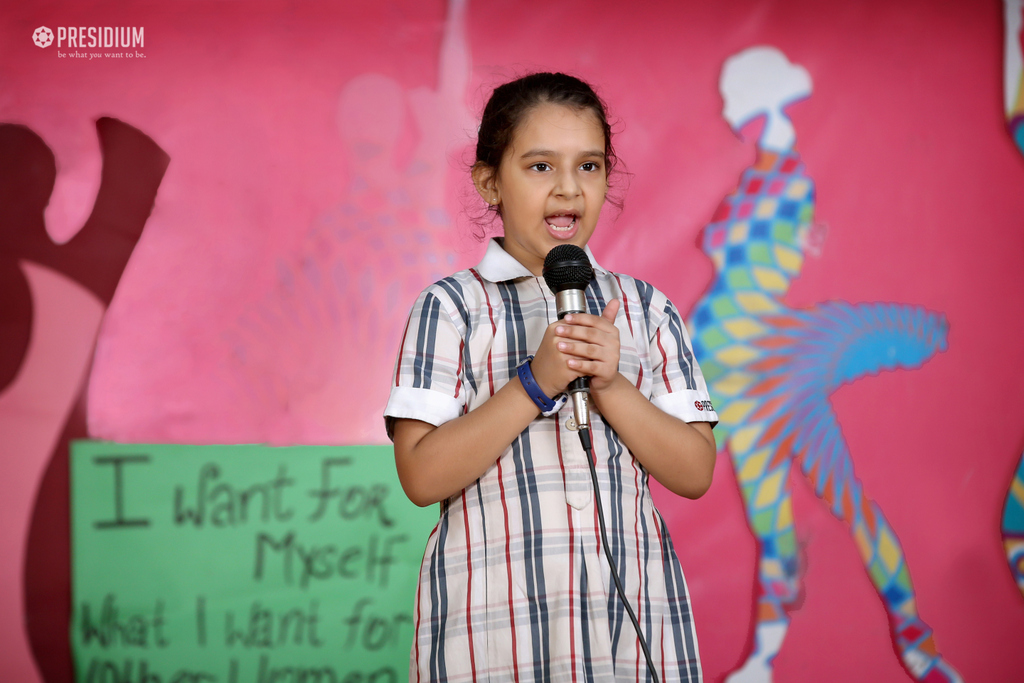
(242,564)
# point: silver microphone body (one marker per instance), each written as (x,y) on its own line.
(575,301)
(570,301)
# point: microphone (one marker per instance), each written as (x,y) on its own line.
(567,272)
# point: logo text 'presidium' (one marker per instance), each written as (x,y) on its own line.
(100,36)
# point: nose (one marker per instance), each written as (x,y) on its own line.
(566,183)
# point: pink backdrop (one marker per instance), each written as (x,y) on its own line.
(318,179)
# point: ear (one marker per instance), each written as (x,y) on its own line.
(485,179)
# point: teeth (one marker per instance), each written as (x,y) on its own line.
(566,228)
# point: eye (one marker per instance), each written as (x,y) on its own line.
(590,166)
(541,166)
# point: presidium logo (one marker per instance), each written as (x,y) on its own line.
(93,37)
(42,37)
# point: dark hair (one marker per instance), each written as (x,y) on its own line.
(510,103)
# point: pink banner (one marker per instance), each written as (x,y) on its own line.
(318,179)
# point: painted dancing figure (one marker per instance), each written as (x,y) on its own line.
(771,370)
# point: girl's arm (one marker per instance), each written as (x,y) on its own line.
(680,455)
(436,462)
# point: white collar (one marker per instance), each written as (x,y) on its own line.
(498,265)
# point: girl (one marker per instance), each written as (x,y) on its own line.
(513,585)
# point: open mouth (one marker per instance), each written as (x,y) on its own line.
(562,222)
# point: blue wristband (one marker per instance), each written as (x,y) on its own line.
(548,407)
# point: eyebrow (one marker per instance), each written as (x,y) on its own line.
(551,153)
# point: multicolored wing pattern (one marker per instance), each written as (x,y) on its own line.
(771,370)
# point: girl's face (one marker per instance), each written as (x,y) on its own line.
(551,183)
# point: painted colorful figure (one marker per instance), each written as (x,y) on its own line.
(1013,526)
(771,370)
(1013,510)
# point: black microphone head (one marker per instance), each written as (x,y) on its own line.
(567,267)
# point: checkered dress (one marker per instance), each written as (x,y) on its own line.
(514,585)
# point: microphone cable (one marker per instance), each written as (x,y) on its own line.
(588,448)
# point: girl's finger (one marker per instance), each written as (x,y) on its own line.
(607,316)
(591,334)
(610,310)
(587,367)
(581,350)
(586,320)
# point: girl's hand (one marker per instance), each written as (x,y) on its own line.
(579,345)
(590,344)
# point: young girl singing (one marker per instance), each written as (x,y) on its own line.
(513,584)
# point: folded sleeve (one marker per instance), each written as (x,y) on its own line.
(428,382)
(678,385)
